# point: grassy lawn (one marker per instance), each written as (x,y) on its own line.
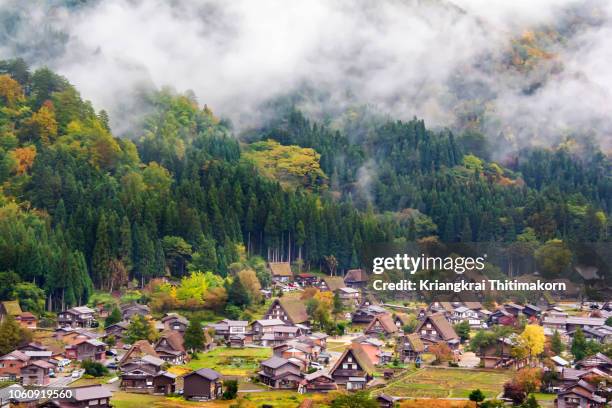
(122,399)
(283,399)
(229,361)
(277,399)
(447,383)
(336,345)
(87,380)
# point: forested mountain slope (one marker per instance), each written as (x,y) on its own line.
(82,209)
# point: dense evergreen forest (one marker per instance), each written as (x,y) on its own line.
(82,209)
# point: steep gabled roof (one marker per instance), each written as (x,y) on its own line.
(281,269)
(359,355)
(275,362)
(333,283)
(404,318)
(174,340)
(12,307)
(415,342)
(355,276)
(386,322)
(442,326)
(295,309)
(138,349)
(473,305)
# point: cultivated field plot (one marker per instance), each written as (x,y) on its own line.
(447,383)
(231,361)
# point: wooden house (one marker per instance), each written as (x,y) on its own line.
(203,384)
(318,382)
(356,279)
(410,347)
(80,316)
(353,369)
(292,311)
(381,325)
(169,347)
(281,272)
(280,373)
(435,329)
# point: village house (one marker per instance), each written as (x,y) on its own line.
(601,334)
(11,365)
(385,401)
(71,336)
(134,309)
(279,335)
(571,323)
(514,309)
(203,384)
(263,326)
(349,296)
(532,311)
(435,329)
(401,320)
(236,341)
(296,350)
(356,279)
(499,355)
(292,311)
(502,317)
(9,308)
(445,308)
(176,322)
(332,284)
(87,396)
(27,320)
(169,347)
(353,369)
(86,349)
(281,272)
(598,360)
(139,349)
(226,328)
(410,347)
(138,374)
(306,279)
(117,330)
(318,381)
(381,325)
(464,314)
(36,372)
(365,314)
(80,316)
(580,394)
(277,372)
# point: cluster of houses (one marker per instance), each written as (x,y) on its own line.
(300,359)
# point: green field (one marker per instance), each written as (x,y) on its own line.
(277,399)
(447,383)
(229,361)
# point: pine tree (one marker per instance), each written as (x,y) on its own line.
(10,335)
(102,253)
(556,345)
(579,345)
(194,336)
(113,317)
(139,329)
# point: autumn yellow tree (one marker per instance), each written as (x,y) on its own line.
(10,91)
(249,280)
(24,158)
(42,125)
(530,343)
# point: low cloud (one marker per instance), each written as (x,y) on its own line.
(425,58)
